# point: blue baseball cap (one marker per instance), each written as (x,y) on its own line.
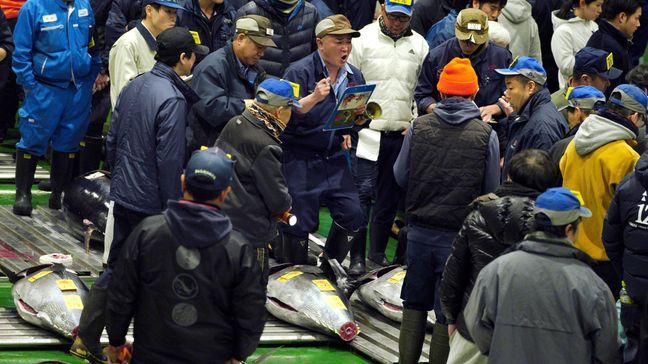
(630,97)
(175,4)
(596,61)
(399,6)
(276,92)
(527,67)
(209,170)
(584,97)
(561,205)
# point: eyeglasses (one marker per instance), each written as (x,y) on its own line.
(400,18)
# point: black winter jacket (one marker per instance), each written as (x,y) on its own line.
(359,12)
(625,231)
(488,231)
(259,189)
(193,286)
(213,33)
(222,88)
(426,13)
(610,39)
(294,35)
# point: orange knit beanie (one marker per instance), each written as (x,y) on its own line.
(458,78)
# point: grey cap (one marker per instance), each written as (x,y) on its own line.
(258,28)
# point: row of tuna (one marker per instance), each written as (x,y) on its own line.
(51,296)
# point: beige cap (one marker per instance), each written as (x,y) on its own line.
(258,28)
(472,25)
(335,24)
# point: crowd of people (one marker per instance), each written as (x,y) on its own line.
(510,140)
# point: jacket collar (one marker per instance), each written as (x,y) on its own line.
(258,124)
(543,244)
(606,27)
(162,70)
(510,188)
(148,37)
(477,55)
(536,100)
(234,63)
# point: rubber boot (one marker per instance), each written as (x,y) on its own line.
(378,238)
(90,154)
(25,169)
(401,247)
(61,174)
(358,253)
(440,344)
(339,242)
(294,249)
(412,334)
(91,324)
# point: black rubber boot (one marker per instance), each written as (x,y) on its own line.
(294,249)
(440,344)
(25,169)
(339,242)
(358,253)
(91,325)
(90,154)
(378,238)
(412,334)
(401,247)
(61,174)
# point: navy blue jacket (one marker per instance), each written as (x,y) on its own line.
(213,33)
(484,61)
(304,134)
(426,13)
(610,39)
(122,14)
(294,34)
(625,232)
(146,141)
(538,126)
(222,88)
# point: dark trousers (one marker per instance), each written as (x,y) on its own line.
(631,321)
(427,253)
(375,180)
(10,92)
(125,222)
(318,178)
(606,272)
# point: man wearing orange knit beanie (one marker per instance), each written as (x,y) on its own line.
(449,157)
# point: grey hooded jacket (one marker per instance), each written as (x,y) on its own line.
(543,304)
(523,29)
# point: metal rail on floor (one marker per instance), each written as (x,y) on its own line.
(8,169)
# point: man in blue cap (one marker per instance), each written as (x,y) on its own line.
(134,52)
(259,191)
(596,161)
(512,311)
(581,102)
(390,55)
(533,121)
(190,282)
(592,67)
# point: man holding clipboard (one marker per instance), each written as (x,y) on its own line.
(314,163)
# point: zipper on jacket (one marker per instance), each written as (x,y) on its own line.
(43,66)
(69,14)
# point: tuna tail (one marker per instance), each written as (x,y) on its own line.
(88,228)
(333,269)
(13,277)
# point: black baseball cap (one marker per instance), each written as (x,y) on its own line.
(209,170)
(177,40)
(596,61)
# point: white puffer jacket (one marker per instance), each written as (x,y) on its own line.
(394,67)
(569,37)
